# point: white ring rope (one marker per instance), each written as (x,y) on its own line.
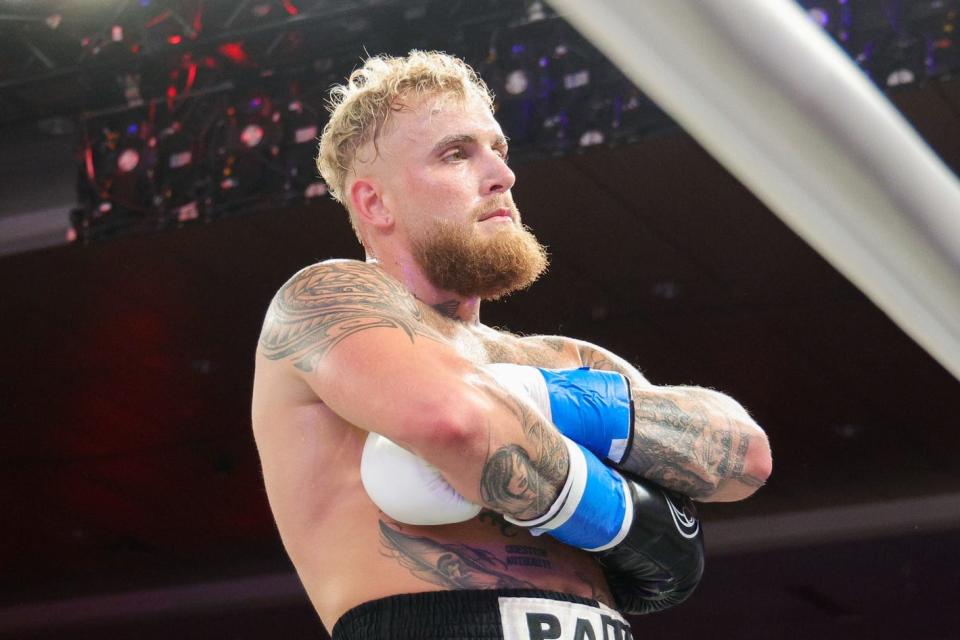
(768,94)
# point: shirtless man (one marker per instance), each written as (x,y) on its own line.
(394,346)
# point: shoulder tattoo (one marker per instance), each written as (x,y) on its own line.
(323,305)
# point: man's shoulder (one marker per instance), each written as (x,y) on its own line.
(332,268)
(340,280)
(327,302)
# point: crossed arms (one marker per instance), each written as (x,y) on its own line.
(359,341)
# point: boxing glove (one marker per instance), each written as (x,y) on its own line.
(590,406)
(648,540)
(408,488)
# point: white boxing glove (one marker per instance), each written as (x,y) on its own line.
(523,382)
(409,489)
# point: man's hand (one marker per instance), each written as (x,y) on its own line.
(648,541)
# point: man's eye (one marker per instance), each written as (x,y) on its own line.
(455,154)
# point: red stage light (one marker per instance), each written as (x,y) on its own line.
(233,51)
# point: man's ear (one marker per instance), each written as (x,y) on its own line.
(368,204)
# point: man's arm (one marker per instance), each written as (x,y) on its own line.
(696,441)
(358,340)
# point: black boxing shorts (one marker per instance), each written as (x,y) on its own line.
(513,614)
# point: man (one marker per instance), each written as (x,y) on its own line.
(394,347)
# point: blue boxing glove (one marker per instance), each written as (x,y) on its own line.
(592,407)
(648,540)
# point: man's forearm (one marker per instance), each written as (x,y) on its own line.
(525,462)
(696,441)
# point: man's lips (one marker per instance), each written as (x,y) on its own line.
(497,213)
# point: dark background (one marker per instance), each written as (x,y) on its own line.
(130,486)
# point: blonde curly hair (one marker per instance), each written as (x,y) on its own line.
(360,108)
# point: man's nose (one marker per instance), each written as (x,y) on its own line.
(500,177)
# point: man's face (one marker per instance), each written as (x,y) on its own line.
(444,177)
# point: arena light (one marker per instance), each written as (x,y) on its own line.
(576,114)
(555,93)
(245,145)
(252,135)
(302,126)
(116,190)
(819,15)
(178,175)
(900,77)
(591,138)
(513,76)
(517,82)
(128,160)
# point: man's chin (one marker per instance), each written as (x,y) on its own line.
(489,265)
(498,224)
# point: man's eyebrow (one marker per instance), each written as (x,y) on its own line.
(464,138)
(452,140)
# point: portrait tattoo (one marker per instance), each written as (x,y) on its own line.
(452,566)
(523,482)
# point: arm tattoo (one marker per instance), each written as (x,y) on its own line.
(596,360)
(680,443)
(738,460)
(664,445)
(687,448)
(533,351)
(557,344)
(541,355)
(452,566)
(327,303)
(516,482)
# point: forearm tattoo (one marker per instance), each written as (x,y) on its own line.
(523,483)
(665,445)
(688,447)
(685,443)
(327,303)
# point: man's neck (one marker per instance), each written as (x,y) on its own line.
(446,303)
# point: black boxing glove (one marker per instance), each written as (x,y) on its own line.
(660,561)
(647,540)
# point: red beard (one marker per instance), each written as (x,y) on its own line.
(456,258)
